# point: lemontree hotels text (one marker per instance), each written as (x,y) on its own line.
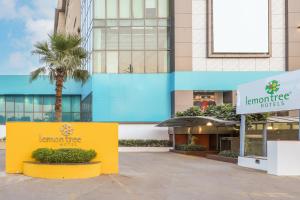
(277,93)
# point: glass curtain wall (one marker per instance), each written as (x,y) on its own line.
(37,108)
(131,36)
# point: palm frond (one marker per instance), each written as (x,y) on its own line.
(81,75)
(36,73)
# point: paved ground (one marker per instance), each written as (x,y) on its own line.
(157,176)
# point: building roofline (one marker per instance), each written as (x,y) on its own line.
(57,11)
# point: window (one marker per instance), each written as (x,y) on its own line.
(151,38)
(125,38)
(138,38)
(138,63)
(150,8)
(125,9)
(163,61)
(138,8)
(99,9)
(99,61)
(125,62)
(112,6)
(99,38)
(151,61)
(163,6)
(112,62)
(2,104)
(112,38)
(10,104)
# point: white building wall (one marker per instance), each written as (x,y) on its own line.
(199,38)
(142,131)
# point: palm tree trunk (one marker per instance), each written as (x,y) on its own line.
(58,100)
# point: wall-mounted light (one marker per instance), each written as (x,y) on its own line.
(209,124)
(270,127)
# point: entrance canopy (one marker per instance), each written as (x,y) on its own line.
(196,121)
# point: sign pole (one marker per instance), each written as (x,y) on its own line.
(265,131)
(299,127)
(242,135)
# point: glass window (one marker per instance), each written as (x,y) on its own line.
(151,61)
(99,38)
(38,104)
(163,61)
(10,104)
(125,38)
(49,104)
(66,104)
(112,38)
(138,62)
(112,22)
(76,117)
(163,38)
(38,117)
(28,103)
(112,6)
(76,104)
(2,118)
(125,22)
(28,117)
(10,116)
(99,61)
(19,116)
(138,8)
(138,38)
(150,22)
(163,8)
(112,63)
(125,9)
(138,22)
(19,104)
(67,117)
(2,104)
(150,8)
(151,38)
(49,117)
(99,9)
(125,62)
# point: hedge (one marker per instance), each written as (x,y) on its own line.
(230,154)
(144,143)
(190,147)
(65,155)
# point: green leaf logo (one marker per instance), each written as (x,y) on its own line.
(272,87)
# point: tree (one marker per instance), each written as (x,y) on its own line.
(62,58)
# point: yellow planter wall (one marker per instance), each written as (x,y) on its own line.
(75,171)
(22,138)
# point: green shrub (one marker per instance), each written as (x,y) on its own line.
(190,147)
(144,143)
(230,154)
(71,155)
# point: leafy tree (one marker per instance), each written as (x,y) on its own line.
(62,57)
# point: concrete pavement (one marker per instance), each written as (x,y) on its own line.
(157,176)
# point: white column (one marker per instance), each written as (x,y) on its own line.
(242,135)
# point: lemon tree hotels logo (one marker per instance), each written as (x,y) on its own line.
(276,96)
(67,137)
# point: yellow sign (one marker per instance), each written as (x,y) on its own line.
(22,138)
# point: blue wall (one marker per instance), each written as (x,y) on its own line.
(131,97)
(17,84)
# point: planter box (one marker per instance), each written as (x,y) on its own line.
(222,158)
(62,171)
(193,153)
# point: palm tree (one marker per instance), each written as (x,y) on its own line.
(62,57)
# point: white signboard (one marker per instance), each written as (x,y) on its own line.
(273,94)
(240,26)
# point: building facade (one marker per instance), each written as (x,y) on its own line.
(149,59)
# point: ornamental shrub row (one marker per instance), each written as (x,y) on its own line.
(144,143)
(66,155)
(190,147)
(230,154)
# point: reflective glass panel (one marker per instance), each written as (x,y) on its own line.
(28,103)
(49,104)
(10,104)
(125,62)
(138,62)
(163,61)
(99,61)
(125,11)
(112,6)
(99,38)
(138,38)
(163,38)
(163,8)
(138,8)
(66,104)
(38,104)
(125,38)
(2,104)
(19,104)
(112,63)
(151,61)
(112,38)
(150,8)
(151,38)
(75,104)
(99,9)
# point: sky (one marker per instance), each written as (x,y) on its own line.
(23,23)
